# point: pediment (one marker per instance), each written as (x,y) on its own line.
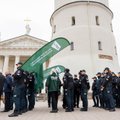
(24,41)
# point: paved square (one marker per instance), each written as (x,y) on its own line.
(41,112)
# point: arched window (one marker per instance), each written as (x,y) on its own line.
(73,20)
(72,46)
(97,20)
(99,45)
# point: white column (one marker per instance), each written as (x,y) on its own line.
(6,64)
(17,59)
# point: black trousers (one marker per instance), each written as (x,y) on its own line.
(95,98)
(84,98)
(49,99)
(76,98)
(8,101)
(54,97)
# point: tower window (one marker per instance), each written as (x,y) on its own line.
(73,20)
(54,28)
(99,45)
(111,27)
(72,46)
(97,20)
(115,50)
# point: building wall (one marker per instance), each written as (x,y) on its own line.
(85,34)
(59,3)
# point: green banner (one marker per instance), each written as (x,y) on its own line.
(58,68)
(35,62)
(45,53)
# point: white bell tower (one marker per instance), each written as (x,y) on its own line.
(87,24)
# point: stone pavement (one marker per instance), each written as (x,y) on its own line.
(41,112)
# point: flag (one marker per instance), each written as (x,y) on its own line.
(35,62)
(58,68)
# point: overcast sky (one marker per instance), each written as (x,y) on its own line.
(14,12)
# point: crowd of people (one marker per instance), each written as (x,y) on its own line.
(105,90)
(19,89)
(73,88)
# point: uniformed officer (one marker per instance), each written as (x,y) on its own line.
(31,91)
(18,90)
(118,86)
(69,90)
(95,93)
(8,91)
(76,91)
(2,79)
(114,88)
(85,86)
(107,87)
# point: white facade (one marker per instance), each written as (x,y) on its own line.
(18,49)
(60,3)
(89,26)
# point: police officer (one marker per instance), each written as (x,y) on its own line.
(102,97)
(85,86)
(107,86)
(76,91)
(118,86)
(31,91)
(99,84)
(18,90)
(95,94)
(114,88)
(53,84)
(69,90)
(8,91)
(2,79)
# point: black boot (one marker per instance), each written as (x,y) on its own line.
(13,115)
(83,109)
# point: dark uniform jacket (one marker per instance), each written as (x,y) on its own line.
(68,81)
(8,84)
(2,79)
(84,82)
(19,77)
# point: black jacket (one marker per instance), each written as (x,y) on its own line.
(84,82)
(19,77)
(2,79)
(68,81)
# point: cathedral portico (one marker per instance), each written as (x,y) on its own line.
(17,49)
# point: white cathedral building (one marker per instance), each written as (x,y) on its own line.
(18,49)
(87,24)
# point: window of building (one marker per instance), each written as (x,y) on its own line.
(73,20)
(115,50)
(111,27)
(97,20)
(72,46)
(54,28)
(99,45)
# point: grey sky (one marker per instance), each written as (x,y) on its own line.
(14,12)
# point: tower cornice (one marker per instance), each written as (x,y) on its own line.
(77,2)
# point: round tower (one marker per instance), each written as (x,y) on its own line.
(88,26)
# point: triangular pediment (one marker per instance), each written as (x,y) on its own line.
(24,41)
